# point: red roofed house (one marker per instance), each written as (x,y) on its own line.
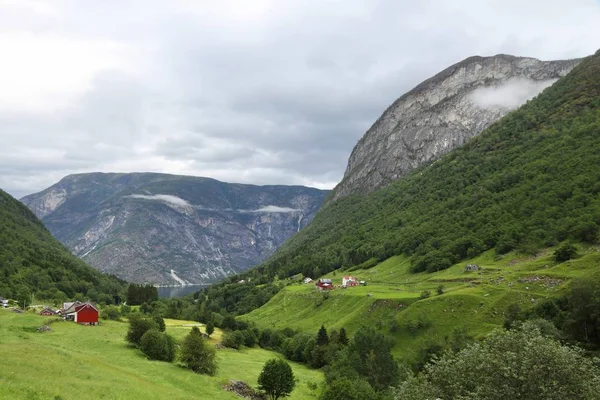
(324,284)
(47,312)
(349,281)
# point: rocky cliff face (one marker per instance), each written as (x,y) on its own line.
(167,229)
(442,113)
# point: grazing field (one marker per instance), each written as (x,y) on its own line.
(475,301)
(95,362)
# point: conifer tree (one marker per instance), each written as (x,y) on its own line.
(322,337)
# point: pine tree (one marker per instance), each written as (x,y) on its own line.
(322,337)
(343,338)
(210,328)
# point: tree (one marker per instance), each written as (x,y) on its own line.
(210,328)
(440,290)
(160,322)
(519,364)
(370,356)
(137,327)
(197,354)
(322,337)
(276,379)
(158,345)
(565,252)
(343,338)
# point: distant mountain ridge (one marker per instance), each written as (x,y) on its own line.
(443,113)
(169,229)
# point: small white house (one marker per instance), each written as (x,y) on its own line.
(307,280)
(3,302)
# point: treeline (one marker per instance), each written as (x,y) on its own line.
(34,264)
(138,294)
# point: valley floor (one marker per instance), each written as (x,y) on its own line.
(95,362)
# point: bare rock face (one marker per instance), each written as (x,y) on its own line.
(443,113)
(171,230)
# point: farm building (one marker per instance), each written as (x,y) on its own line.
(349,281)
(3,302)
(324,284)
(471,267)
(47,312)
(82,313)
(307,280)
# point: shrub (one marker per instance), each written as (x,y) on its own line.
(233,339)
(111,312)
(565,252)
(158,345)
(137,327)
(425,294)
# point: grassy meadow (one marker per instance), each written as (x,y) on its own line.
(87,362)
(476,301)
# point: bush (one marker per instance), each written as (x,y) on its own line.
(111,312)
(565,252)
(137,327)
(233,339)
(349,389)
(158,345)
(440,290)
(197,354)
(425,294)
(160,322)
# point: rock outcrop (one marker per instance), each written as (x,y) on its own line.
(171,230)
(443,113)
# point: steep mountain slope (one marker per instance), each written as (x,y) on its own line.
(529,181)
(168,229)
(443,113)
(32,261)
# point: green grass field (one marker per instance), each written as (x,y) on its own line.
(83,362)
(391,300)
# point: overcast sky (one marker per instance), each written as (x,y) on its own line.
(252,91)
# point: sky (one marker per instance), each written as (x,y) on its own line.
(260,91)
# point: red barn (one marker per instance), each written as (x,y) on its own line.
(86,314)
(47,312)
(324,284)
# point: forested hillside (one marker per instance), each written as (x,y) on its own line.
(33,262)
(528,182)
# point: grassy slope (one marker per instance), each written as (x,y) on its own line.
(76,362)
(476,301)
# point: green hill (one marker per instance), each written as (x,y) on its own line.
(33,262)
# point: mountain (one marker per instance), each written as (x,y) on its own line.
(33,262)
(169,229)
(443,113)
(527,183)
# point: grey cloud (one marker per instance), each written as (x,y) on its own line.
(273,97)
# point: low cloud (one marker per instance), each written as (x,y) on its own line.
(276,209)
(162,197)
(510,94)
